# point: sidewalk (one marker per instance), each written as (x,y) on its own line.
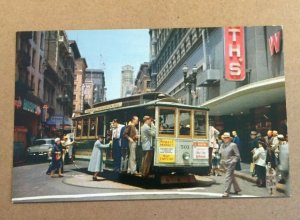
(246,175)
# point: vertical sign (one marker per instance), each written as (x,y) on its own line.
(274,43)
(234,49)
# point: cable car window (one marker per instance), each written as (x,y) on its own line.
(78,128)
(167,121)
(200,123)
(185,122)
(100,125)
(85,127)
(92,127)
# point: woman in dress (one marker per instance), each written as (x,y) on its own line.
(56,161)
(96,164)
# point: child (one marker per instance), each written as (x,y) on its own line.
(271,179)
(216,161)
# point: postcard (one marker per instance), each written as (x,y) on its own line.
(134,114)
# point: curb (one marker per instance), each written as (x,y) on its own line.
(279,187)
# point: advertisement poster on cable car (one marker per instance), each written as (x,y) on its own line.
(134,114)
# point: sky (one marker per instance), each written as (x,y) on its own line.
(112,49)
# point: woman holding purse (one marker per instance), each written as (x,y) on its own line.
(96,164)
(56,161)
(259,158)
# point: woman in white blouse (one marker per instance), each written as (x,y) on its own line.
(259,158)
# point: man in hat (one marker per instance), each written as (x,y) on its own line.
(147,133)
(230,155)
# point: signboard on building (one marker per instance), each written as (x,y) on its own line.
(234,53)
(274,43)
(59,120)
(31,107)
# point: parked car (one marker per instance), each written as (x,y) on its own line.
(40,148)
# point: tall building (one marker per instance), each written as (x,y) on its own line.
(127,85)
(58,83)
(254,103)
(95,91)
(29,85)
(142,81)
(79,76)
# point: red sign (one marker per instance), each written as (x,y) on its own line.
(18,103)
(234,48)
(274,43)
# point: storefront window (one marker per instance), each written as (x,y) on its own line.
(85,127)
(185,122)
(200,123)
(78,128)
(167,121)
(92,127)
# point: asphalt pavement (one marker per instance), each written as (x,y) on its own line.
(31,184)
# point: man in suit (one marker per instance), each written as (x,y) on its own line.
(229,157)
(147,133)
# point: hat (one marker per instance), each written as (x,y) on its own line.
(280,137)
(226,135)
(57,139)
(253,133)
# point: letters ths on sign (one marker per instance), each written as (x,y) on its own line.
(167,151)
(234,57)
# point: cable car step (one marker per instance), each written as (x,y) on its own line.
(173,179)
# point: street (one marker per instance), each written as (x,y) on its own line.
(31,184)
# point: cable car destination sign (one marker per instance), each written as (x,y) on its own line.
(105,107)
(234,53)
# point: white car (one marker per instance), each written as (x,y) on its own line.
(40,148)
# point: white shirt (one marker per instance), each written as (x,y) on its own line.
(117,131)
(259,156)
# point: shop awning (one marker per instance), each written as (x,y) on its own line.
(239,101)
(59,120)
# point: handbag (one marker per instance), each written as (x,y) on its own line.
(252,167)
(57,156)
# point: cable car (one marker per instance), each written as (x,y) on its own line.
(181,141)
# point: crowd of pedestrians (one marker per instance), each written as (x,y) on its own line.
(269,157)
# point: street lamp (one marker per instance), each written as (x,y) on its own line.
(63,99)
(190,79)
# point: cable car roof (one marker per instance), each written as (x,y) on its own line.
(129,102)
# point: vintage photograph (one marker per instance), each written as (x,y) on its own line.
(130,114)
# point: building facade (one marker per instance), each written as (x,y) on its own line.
(79,76)
(58,83)
(29,85)
(142,82)
(127,85)
(255,103)
(95,91)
